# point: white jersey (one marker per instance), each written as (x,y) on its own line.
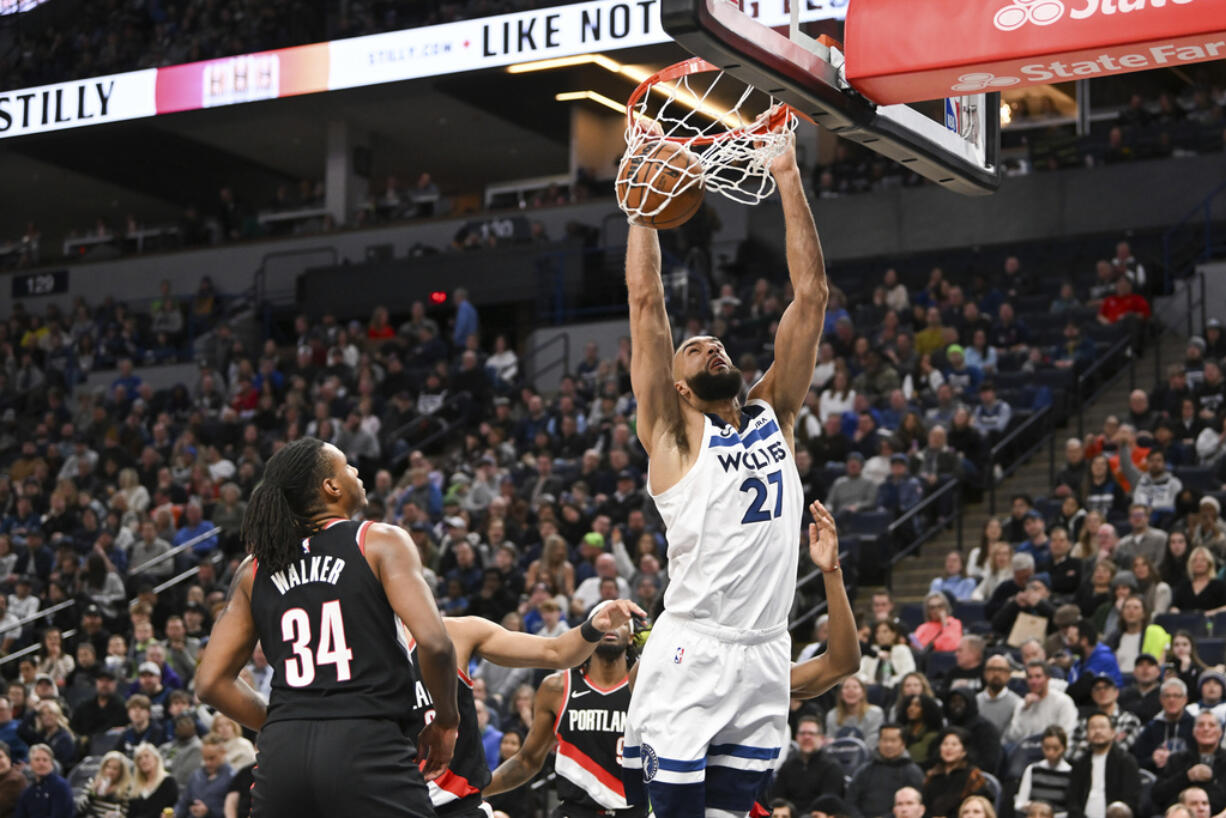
(734,525)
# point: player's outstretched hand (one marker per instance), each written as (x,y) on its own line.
(612,616)
(823,538)
(435,747)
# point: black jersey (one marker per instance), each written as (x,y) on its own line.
(590,727)
(459,788)
(329,633)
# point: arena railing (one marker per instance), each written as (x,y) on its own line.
(942,507)
(1044,419)
(528,362)
(174,552)
(1192,240)
(28,649)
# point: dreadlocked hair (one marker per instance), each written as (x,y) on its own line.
(278,517)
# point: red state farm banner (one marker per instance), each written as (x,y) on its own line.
(912,50)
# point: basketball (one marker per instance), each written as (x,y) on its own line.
(661,181)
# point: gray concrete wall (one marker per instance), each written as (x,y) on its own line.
(605,333)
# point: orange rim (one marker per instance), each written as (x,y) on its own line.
(767,121)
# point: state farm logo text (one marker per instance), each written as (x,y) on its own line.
(1045,12)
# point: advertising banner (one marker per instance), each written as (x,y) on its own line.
(954,47)
(468,45)
(74,104)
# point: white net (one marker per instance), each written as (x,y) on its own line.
(733,146)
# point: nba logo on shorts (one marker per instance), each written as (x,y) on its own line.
(651,762)
(678,656)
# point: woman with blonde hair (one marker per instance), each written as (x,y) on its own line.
(1000,568)
(853,712)
(134,494)
(1090,524)
(108,794)
(978,563)
(239,751)
(152,789)
(1202,591)
(553,568)
(976,807)
(52,729)
(54,661)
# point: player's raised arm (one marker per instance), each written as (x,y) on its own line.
(230,645)
(513,649)
(651,340)
(519,768)
(842,657)
(398,568)
(786,383)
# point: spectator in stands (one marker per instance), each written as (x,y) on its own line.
(1136,634)
(1212,687)
(1000,570)
(852,491)
(1009,333)
(1108,774)
(1142,540)
(239,751)
(996,702)
(888,659)
(153,790)
(962,710)
(1156,488)
(1047,780)
(953,778)
(1193,803)
(936,462)
(922,721)
(952,582)
(839,398)
(12,782)
(1201,765)
(962,378)
(991,417)
(102,712)
(808,771)
(1207,528)
(207,786)
(1032,601)
(1123,303)
(1169,732)
(1141,698)
(183,751)
(1093,658)
(1126,725)
(941,631)
(853,715)
(900,491)
(1202,590)
(1037,544)
(141,726)
(466,323)
(1041,706)
(110,790)
(48,794)
(1023,569)
(51,728)
(194,526)
(872,789)
(908,803)
(1183,660)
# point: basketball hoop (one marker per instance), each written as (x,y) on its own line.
(733,147)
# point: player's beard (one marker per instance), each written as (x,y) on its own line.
(711,387)
(611,651)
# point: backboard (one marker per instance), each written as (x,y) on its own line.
(961,154)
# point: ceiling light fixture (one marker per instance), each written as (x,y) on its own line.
(600,99)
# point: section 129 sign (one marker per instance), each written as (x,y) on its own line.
(30,285)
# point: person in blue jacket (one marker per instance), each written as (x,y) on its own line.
(1093,658)
(49,796)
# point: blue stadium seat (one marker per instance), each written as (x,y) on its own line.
(994,790)
(1198,478)
(969,611)
(1024,753)
(1171,622)
(911,615)
(1212,650)
(868,523)
(938,664)
(851,753)
(876,695)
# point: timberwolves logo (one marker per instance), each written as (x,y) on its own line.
(651,762)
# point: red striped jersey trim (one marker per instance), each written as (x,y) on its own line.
(606,778)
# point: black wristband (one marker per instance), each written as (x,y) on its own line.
(589,631)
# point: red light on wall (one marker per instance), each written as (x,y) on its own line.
(438,297)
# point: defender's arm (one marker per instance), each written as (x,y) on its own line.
(651,339)
(519,768)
